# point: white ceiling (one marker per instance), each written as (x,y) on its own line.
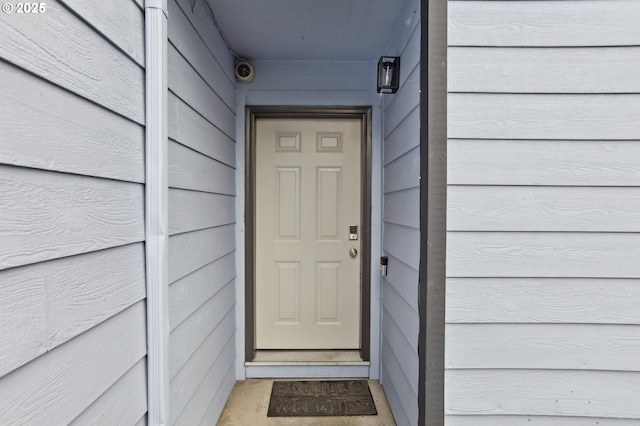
(342,30)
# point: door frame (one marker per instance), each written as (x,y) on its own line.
(362,113)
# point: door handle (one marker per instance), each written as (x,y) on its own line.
(353,252)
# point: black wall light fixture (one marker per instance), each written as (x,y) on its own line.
(388,74)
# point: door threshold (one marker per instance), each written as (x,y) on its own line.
(307,357)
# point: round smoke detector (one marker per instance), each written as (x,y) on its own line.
(244,72)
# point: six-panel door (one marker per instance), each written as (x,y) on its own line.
(308,194)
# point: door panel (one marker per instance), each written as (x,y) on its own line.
(308,193)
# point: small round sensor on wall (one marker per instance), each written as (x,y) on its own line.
(244,72)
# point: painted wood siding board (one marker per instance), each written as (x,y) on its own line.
(194,210)
(543,392)
(56,387)
(403,243)
(52,215)
(142,421)
(536,162)
(544,70)
(191,129)
(404,101)
(410,56)
(406,26)
(538,23)
(401,236)
(104,284)
(403,208)
(188,379)
(524,254)
(190,170)
(202,159)
(314,75)
(193,250)
(525,116)
(402,351)
(404,280)
(408,398)
(217,404)
(542,288)
(309,97)
(543,300)
(58,47)
(189,293)
(404,138)
(500,420)
(397,309)
(23,309)
(202,21)
(403,173)
(399,416)
(529,208)
(185,39)
(219,375)
(39,134)
(119,21)
(543,346)
(189,86)
(49,303)
(190,334)
(123,403)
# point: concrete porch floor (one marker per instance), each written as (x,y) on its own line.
(249,401)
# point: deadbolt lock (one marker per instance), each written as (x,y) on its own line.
(353,232)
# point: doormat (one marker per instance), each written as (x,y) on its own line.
(321,398)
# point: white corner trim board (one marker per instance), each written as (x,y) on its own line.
(156,4)
(157,211)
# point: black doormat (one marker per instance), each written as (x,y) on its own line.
(321,398)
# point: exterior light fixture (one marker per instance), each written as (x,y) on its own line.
(388,74)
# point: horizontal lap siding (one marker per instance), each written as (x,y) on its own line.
(539,23)
(126,394)
(543,300)
(543,70)
(587,163)
(542,116)
(543,231)
(52,215)
(60,385)
(527,392)
(401,230)
(83,61)
(201,219)
(72,280)
(101,144)
(592,347)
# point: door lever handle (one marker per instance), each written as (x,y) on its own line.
(353,252)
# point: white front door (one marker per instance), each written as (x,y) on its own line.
(307,271)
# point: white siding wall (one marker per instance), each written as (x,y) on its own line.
(201,217)
(72,289)
(401,236)
(543,289)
